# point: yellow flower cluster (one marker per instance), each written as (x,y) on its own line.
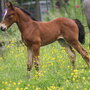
(9,85)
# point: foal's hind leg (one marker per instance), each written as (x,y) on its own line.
(69,50)
(72,55)
(81,50)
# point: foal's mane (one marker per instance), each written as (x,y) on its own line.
(28,13)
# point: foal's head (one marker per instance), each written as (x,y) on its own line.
(9,17)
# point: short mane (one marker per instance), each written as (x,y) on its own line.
(27,13)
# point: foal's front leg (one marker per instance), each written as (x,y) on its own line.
(29,62)
(30,59)
(35,56)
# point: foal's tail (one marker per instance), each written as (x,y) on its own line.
(81,31)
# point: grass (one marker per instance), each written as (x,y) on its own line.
(55,70)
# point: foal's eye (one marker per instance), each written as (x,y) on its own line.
(9,16)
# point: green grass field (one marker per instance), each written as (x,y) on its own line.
(55,70)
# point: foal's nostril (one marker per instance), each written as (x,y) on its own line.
(2,28)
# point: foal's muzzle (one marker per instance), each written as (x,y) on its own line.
(3,27)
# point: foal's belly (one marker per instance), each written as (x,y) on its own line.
(46,43)
(49,41)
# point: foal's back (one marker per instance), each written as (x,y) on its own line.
(55,29)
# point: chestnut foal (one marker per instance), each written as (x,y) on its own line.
(36,34)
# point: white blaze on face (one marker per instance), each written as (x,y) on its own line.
(3,24)
(5,14)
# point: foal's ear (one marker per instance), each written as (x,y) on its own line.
(9,5)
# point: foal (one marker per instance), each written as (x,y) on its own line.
(36,34)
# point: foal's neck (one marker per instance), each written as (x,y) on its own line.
(24,21)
